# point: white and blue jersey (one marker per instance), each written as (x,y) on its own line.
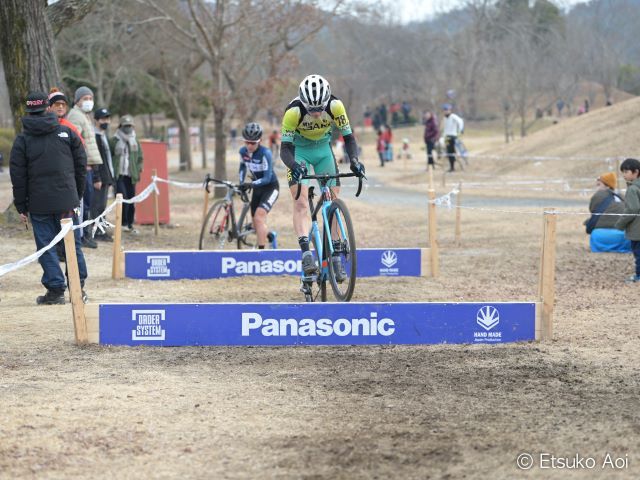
(259,165)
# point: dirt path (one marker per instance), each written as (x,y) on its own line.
(354,412)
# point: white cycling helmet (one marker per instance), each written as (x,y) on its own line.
(314,93)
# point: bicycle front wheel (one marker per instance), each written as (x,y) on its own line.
(247,237)
(215,229)
(343,262)
(321,289)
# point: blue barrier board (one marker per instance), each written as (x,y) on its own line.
(198,265)
(315,323)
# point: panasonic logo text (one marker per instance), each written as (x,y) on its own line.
(310,327)
(231,265)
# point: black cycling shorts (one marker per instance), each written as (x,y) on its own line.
(264,197)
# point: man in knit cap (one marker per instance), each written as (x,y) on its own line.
(80,116)
(604,236)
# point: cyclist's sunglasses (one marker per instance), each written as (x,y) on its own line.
(252,142)
(315,109)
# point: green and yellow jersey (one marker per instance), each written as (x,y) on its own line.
(298,127)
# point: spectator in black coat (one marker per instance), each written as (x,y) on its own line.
(48,169)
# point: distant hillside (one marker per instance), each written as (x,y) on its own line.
(605,132)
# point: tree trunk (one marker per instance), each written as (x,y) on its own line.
(220,168)
(203,141)
(28,53)
(151,128)
(185,146)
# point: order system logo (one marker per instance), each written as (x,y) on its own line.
(158,266)
(488,317)
(148,325)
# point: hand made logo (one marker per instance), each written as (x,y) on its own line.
(488,317)
(389,258)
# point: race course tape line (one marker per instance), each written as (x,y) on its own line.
(99,223)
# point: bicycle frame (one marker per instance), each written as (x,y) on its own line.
(322,207)
(230,211)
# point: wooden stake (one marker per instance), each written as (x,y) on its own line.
(92,314)
(116,267)
(547,287)
(75,290)
(618,176)
(433,242)
(156,208)
(424,262)
(458,215)
(205,208)
(430,174)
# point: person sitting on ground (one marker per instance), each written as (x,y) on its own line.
(604,237)
(630,169)
(257,160)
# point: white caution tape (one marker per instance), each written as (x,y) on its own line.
(10,267)
(445,200)
(193,186)
(542,158)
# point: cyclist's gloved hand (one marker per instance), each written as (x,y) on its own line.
(297,172)
(357,167)
(245,187)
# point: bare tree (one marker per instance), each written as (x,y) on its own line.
(240,51)
(27,47)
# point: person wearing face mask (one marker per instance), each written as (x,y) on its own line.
(102,118)
(127,165)
(80,116)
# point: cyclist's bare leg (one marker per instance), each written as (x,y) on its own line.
(301,221)
(260,224)
(335,234)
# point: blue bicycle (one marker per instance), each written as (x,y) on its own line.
(334,243)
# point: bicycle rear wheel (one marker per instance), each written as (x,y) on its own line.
(344,241)
(215,229)
(247,237)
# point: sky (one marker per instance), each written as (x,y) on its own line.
(421,9)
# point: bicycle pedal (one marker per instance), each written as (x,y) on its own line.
(309,278)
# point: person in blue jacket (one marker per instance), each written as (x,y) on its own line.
(257,161)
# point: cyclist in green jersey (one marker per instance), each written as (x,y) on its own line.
(306,135)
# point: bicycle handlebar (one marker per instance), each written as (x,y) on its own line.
(324,178)
(232,186)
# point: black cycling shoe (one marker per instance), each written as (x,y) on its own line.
(51,298)
(309,266)
(338,269)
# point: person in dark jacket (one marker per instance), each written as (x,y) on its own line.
(48,169)
(102,118)
(431,134)
(603,235)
